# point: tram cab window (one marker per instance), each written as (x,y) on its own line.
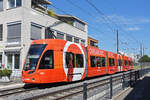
(93,61)
(47,61)
(103,61)
(69,56)
(79,60)
(99,61)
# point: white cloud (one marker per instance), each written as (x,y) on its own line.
(126,23)
(122,20)
(133,29)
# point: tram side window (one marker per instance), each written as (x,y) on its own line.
(125,62)
(79,60)
(113,62)
(47,61)
(121,62)
(118,62)
(103,61)
(129,63)
(99,61)
(93,61)
(69,56)
(110,62)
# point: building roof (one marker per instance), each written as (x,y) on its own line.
(92,39)
(71,17)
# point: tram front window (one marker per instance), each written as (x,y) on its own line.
(33,56)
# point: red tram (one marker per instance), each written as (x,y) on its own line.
(55,60)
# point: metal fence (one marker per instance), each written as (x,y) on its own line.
(113,85)
(142,64)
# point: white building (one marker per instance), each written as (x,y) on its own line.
(22,21)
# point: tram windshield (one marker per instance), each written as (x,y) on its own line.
(33,56)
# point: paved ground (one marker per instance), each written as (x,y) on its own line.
(141,91)
(12,82)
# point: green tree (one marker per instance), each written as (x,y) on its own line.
(145,58)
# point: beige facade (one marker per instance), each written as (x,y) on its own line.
(26,20)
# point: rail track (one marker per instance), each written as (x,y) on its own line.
(72,91)
(8,92)
(68,91)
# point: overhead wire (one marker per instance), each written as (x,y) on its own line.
(106,18)
(88,13)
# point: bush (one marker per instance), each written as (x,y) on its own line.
(5,72)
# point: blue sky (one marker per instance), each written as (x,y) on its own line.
(130,17)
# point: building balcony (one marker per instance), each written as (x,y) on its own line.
(40,5)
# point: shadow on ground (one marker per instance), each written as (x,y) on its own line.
(141,90)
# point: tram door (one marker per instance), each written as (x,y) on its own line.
(75,67)
(46,67)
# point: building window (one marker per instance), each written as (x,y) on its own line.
(69,38)
(13,60)
(1,5)
(0,61)
(92,43)
(60,36)
(36,31)
(83,42)
(14,3)
(14,33)
(79,25)
(76,40)
(49,33)
(17,61)
(9,61)
(1,32)
(18,3)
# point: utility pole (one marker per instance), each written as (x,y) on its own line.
(141,49)
(141,54)
(117,43)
